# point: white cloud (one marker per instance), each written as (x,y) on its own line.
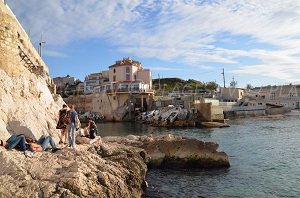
(54,54)
(178,29)
(165,69)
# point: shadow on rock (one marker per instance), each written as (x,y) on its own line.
(15,127)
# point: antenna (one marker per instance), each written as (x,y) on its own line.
(223,77)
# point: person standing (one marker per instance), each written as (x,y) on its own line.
(62,124)
(72,126)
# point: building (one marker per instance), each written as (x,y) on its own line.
(129,89)
(73,89)
(61,83)
(94,80)
(128,70)
(285,95)
(231,94)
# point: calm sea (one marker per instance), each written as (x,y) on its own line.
(264,155)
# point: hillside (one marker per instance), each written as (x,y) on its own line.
(178,84)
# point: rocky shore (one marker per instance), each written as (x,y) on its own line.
(98,170)
(116,167)
(170,151)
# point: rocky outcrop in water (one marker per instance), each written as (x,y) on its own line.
(98,170)
(170,151)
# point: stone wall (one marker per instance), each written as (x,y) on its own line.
(26,103)
(204,111)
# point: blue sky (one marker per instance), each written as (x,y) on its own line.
(257,42)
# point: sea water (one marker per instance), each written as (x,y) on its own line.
(264,155)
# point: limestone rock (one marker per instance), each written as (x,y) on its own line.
(170,151)
(27,106)
(98,170)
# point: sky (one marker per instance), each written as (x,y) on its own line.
(256,42)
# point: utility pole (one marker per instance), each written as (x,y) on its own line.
(40,45)
(158,82)
(223,77)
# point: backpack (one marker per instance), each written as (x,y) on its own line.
(67,118)
(78,124)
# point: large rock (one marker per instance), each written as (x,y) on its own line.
(98,170)
(170,151)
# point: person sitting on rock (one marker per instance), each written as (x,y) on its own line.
(42,144)
(86,130)
(93,131)
(15,141)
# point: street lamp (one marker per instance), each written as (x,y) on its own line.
(40,46)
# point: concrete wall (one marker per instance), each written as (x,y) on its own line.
(217,113)
(82,102)
(231,94)
(145,76)
(243,114)
(274,111)
(107,104)
(205,113)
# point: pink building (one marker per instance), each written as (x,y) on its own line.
(129,88)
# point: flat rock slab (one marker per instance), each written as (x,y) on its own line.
(214,124)
(176,152)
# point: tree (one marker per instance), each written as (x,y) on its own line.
(249,86)
(211,85)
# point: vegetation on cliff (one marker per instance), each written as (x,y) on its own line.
(178,84)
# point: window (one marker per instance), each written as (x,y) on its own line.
(134,77)
(291,95)
(128,77)
(114,78)
(127,69)
(272,97)
(114,70)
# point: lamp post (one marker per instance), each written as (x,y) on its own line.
(40,46)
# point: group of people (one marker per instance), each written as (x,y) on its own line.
(28,144)
(68,122)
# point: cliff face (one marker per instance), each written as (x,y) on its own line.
(26,103)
